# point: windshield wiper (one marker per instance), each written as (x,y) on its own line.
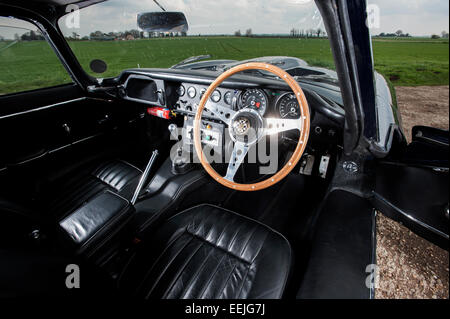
(191,59)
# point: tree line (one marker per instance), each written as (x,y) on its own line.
(400,34)
(29,36)
(294,33)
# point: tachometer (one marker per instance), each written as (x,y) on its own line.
(288,107)
(255,99)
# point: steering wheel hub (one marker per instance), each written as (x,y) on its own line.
(241,125)
(246,126)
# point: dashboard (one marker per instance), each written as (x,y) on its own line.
(179,92)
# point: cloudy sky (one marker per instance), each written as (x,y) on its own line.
(417,17)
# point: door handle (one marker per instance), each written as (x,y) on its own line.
(67,128)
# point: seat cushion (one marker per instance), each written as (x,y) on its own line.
(209,252)
(116,176)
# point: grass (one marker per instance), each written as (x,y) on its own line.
(412,63)
(29,65)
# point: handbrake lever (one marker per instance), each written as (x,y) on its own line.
(144,177)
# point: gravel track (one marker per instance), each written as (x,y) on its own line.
(409,266)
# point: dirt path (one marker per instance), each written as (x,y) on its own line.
(411,267)
(423,105)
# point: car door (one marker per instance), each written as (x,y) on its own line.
(48,123)
(412,184)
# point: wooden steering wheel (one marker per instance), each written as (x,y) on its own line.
(239,122)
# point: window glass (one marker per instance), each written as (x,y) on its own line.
(27,61)
(236,30)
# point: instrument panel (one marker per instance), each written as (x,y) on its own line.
(271,103)
(189,96)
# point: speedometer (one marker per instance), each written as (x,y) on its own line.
(288,107)
(255,99)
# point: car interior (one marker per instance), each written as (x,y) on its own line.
(110,179)
(69,161)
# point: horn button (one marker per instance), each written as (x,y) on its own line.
(246,126)
(241,125)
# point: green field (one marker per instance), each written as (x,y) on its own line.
(29,65)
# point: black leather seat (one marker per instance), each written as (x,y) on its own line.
(116,176)
(64,197)
(209,252)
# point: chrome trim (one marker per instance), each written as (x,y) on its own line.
(87,138)
(431,140)
(426,226)
(144,177)
(59,148)
(42,108)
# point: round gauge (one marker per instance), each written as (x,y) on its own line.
(191,92)
(228,98)
(215,96)
(255,99)
(288,107)
(181,90)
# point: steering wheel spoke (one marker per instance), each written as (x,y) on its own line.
(240,150)
(222,112)
(274,125)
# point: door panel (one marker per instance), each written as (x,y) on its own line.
(55,130)
(412,187)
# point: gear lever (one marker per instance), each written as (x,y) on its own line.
(144,176)
(179,164)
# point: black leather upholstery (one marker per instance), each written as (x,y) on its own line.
(209,252)
(116,176)
(101,215)
(62,198)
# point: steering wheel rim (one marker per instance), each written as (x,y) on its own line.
(275,126)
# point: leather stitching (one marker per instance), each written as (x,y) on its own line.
(197,273)
(181,270)
(169,245)
(213,274)
(167,266)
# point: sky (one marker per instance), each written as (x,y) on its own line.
(417,17)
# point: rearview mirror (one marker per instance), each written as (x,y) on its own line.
(162,22)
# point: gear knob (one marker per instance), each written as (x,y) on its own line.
(173,129)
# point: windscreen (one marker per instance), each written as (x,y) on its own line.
(222,29)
